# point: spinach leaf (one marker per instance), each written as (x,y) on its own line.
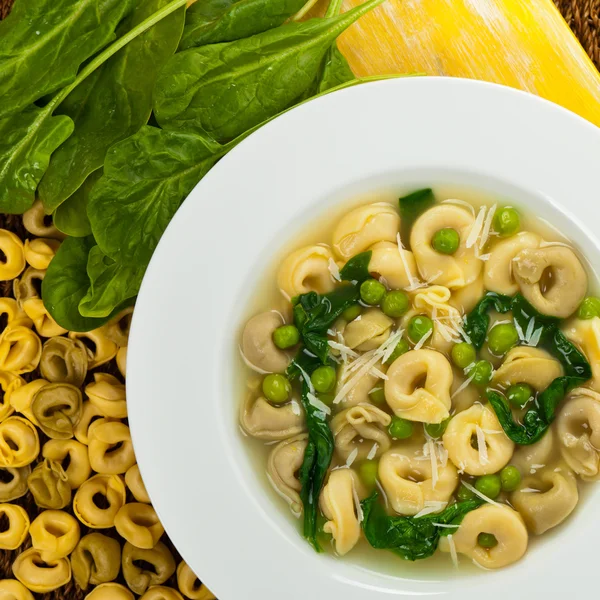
(215,21)
(224,89)
(67,282)
(71,216)
(357,268)
(478,320)
(411,207)
(113,104)
(412,538)
(44,42)
(146,178)
(27,140)
(335,70)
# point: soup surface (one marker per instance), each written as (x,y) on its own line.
(422,376)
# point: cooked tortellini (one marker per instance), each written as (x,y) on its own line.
(388,266)
(17,526)
(96,560)
(19,443)
(64,361)
(13,483)
(133,479)
(533,366)
(138,577)
(258,347)
(57,408)
(20,350)
(190,586)
(43,322)
(41,576)
(55,534)
(110,591)
(306,270)
(78,469)
(39,252)
(369,332)
(139,525)
(417,387)
(14,255)
(586,335)
(284,462)
(260,419)
(11,589)
(112,489)
(49,485)
(107,393)
(110,447)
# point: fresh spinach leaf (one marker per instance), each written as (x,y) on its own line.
(216,21)
(27,140)
(146,178)
(357,268)
(113,104)
(224,89)
(44,42)
(334,71)
(71,216)
(412,538)
(411,208)
(478,320)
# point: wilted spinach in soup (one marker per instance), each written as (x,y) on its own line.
(432,383)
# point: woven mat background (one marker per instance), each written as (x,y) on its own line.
(583,16)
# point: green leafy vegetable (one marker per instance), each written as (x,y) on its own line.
(113,104)
(411,207)
(225,89)
(44,42)
(334,71)
(478,320)
(71,216)
(215,21)
(357,268)
(412,538)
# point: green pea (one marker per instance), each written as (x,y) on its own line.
(352,312)
(372,292)
(507,221)
(589,308)
(502,337)
(377,396)
(464,493)
(368,470)
(323,379)
(463,355)
(489,485)
(436,430)
(326,398)
(286,336)
(519,394)
(276,388)
(400,429)
(446,241)
(510,478)
(482,372)
(401,348)
(395,304)
(487,540)
(419,327)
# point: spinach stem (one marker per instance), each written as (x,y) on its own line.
(304,10)
(334,8)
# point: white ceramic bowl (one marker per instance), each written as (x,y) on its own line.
(181,386)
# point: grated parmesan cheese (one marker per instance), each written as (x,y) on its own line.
(534,340)
(352,457)
(529,491)
(296,408)
(462,331)
(343,349)
(306,379)
(411,280)
(475,228)
(478,493)
(373,451)
(519,331)
(334,270)
(430,507)
(487,227)
(434,466)
(422,341)
(453,553)
(359,511)
(481,446)
(371,360)
(463,385)
(318,404)
(529,331)
(390,344)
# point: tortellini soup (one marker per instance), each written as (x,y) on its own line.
(422,376)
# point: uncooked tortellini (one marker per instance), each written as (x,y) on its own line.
(14,313)
(528,365)
(110,447)
(387,264)
(369,331)
(122,360)
(39,252)
(41,576)
(14,256)
(160,592)
(13,483)
(89,414)
(35,221)
(15,531)
(139,525)
(64,361)
(264,421)
(78,469)
(19,442)
(462,436)
(284,461)
(20,350)
(429,403)
(28,285)
(361,428)
(258,346)
(55,534)
(306,270)
(112,489)
(11,589)
(100,349)
(9,384)
(49,485)
(21,398)
(57,408)
(110,591)
(96,560)
(118,328)
(139,578)
(136,486)
(43,321)
(108,394)
(190,586)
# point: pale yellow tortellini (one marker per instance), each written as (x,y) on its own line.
(338,503)
(89,414)
(96,560)
(578,429)
(160,592)
(460,440)
(138,524)
(14,313)
(498,273)
(43,321)
(55,534)
(133,479)
(429,403)
(359,394)
(11,589)
(466,397)
(112,488)
(258,346)
(39,252)
(533,366)
(20,350)
(13,483)
(368,331)
(28,285)
(110,591)
(387,263)
(284,462)
(365,226)
(306,270)
(190,586)
(453,271)
(466,298)
(19,442)
(586,335)
(408,483)
(138,578)
(17,526)
(541,453)
(9,382)
(100,349)
(64,361)
(565,290)
(122,361)
(262,420)
(14,255)
(361,428)
(49,485)
(117,329)
(41,576)
(57,408)
(108,394)
(553,503)
(78,469)
(502,522)
(110,448)
(35,220)
(21,399)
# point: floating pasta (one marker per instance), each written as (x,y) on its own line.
(190,586)
(140,578)
(14,590)
(133,479)
(138,524)
(369,332)
(117,329)
(19,442)
(100,349)
(586,335)
(57,408)
(258,347)
(9,382)
(20,350)
(78,469)
(539,454)
(359,394)
(107,393)
(16,527)
(264,421)
(306,270)
(28,286)
(35,221)
(111,489)
(64,361)
(55,534)
(43,322)
(532,366)
(429,402)
(397,271)
(96,560)
(13,483)
(466,298)
(49,485)
(39,252)
(41,576)
(110,591)
(14,256)
(21,398)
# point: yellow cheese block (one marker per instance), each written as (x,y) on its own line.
(522,43)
